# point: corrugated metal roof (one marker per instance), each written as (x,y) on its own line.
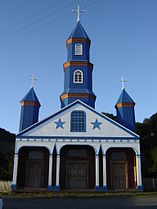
(79,32)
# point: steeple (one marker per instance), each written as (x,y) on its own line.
(29,110)
(125,110)
(78,69)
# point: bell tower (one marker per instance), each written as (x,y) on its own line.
(78,69)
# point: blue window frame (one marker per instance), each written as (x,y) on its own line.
(78,121)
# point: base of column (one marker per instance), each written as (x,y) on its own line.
(97,189)
(101,189)
(104,188)
(13,187)
(140,188)
(53,188)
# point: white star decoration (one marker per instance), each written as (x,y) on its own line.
(59,124)
(96,124)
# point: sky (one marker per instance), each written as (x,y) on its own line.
(33,36)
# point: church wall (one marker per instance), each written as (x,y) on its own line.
(71,51)
(107,128)
(95,143)
(85,87)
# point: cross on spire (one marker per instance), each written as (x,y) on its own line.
(78,10)
(123,82)
(33,78)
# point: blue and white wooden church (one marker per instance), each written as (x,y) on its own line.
(77,148)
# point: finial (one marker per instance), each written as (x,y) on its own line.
(123,82)
(33,78)
(78,10)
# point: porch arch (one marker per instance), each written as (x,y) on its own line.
(77,167)
(121,168)
(33,164)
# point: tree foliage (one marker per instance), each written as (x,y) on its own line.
(148,133)
(7,141)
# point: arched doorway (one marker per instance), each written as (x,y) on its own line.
(77,168)
(33,168)
(121,168)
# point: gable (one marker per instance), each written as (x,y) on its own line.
(59,125)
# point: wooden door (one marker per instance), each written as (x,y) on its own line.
(34,174)
(77,175)
(119,175)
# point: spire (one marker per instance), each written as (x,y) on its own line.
(30,97)
(124,98)
(78,11)
(125,109)
(78,69)
(29,110)
(79,32)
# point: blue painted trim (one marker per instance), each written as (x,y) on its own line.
(138,155)
(77,137)
(98,189)
(104,188)
(13,187)
(101,189)
(53,188)
(86,106)
(140,188)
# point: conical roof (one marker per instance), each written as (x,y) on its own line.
(30,96)
(125,98)
(79,32)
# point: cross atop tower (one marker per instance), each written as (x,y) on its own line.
(123,82)
(33,78)
(78,10)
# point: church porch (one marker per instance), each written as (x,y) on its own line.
(32,168)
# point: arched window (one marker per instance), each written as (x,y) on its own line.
(78,76)
(78,49)
(78,121)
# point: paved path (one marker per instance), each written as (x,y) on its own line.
(82,203)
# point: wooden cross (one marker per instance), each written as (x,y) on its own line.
(123,82)
(33,78)
(78,10)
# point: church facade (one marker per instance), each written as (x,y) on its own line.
(77,148)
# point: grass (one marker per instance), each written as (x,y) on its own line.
(76,194)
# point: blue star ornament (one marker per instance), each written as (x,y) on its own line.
(59,124)
(96,124)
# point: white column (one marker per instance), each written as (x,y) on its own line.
(104,170)
(14,182)
(97,170)
(50,170)
(57,170)
(138,171)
